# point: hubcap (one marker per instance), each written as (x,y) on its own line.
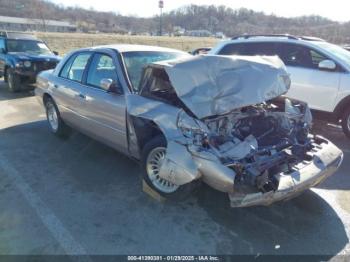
(154,162)
(52,116)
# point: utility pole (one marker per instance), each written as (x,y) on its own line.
(160,5)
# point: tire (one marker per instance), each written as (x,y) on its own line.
(156,148)
(345,122)
(56,124)
(13,81)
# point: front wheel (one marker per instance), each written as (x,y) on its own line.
(56,124)
(153,155)
(13,81)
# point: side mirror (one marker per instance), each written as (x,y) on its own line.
(109,85)
(55,52)
(327,65)
(2,51)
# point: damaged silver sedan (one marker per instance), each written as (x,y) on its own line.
(221,120)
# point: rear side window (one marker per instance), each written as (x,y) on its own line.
(250,49)
(264,48)
(233,49)
(74,68)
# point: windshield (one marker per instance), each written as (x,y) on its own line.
(27,46)
(136,61)
(337,51)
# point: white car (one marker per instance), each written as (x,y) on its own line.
(320,71)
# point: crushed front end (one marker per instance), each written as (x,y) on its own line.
(267,147)
(227,123)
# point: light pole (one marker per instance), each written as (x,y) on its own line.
(160,5)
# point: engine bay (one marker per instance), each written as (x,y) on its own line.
(258,142)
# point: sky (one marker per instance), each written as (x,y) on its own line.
(336,9)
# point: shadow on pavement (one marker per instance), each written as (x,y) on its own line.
(341,179)
(5,94)
(304,225)
(98,184)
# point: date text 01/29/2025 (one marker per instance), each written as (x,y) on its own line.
(173,258)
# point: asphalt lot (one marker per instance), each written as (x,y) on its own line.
(78,196)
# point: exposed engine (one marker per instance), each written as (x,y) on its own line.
(259,141)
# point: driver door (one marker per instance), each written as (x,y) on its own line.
(104,112)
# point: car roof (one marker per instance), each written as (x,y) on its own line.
(18,35)
(311,42)
(306,40)
(122,48)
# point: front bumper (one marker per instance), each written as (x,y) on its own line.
(326,160)
(30,73)
(27,75)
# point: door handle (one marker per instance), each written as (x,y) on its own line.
(82,96)
(52,85)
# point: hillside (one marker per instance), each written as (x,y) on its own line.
(65,42)
(213,18)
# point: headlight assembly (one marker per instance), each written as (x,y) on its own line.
(27,64)
(19,64)
(22,64)
(192,128)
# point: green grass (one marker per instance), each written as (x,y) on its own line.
(65,42)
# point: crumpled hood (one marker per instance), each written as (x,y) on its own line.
(36,57)
(213,85)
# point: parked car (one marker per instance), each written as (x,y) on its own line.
(22,57)
(201,51)
(320,71)
(188,119)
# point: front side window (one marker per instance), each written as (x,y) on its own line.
(301,56)
(2,44)
(75,66)
(101,67)
(136,61)
(337,51)
(27,46)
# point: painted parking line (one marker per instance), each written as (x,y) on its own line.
(47,216)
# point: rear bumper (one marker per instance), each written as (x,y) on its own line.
(326,160)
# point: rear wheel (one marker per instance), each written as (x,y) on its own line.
(56,124)
(13,81)
(153,155)
(345,122)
